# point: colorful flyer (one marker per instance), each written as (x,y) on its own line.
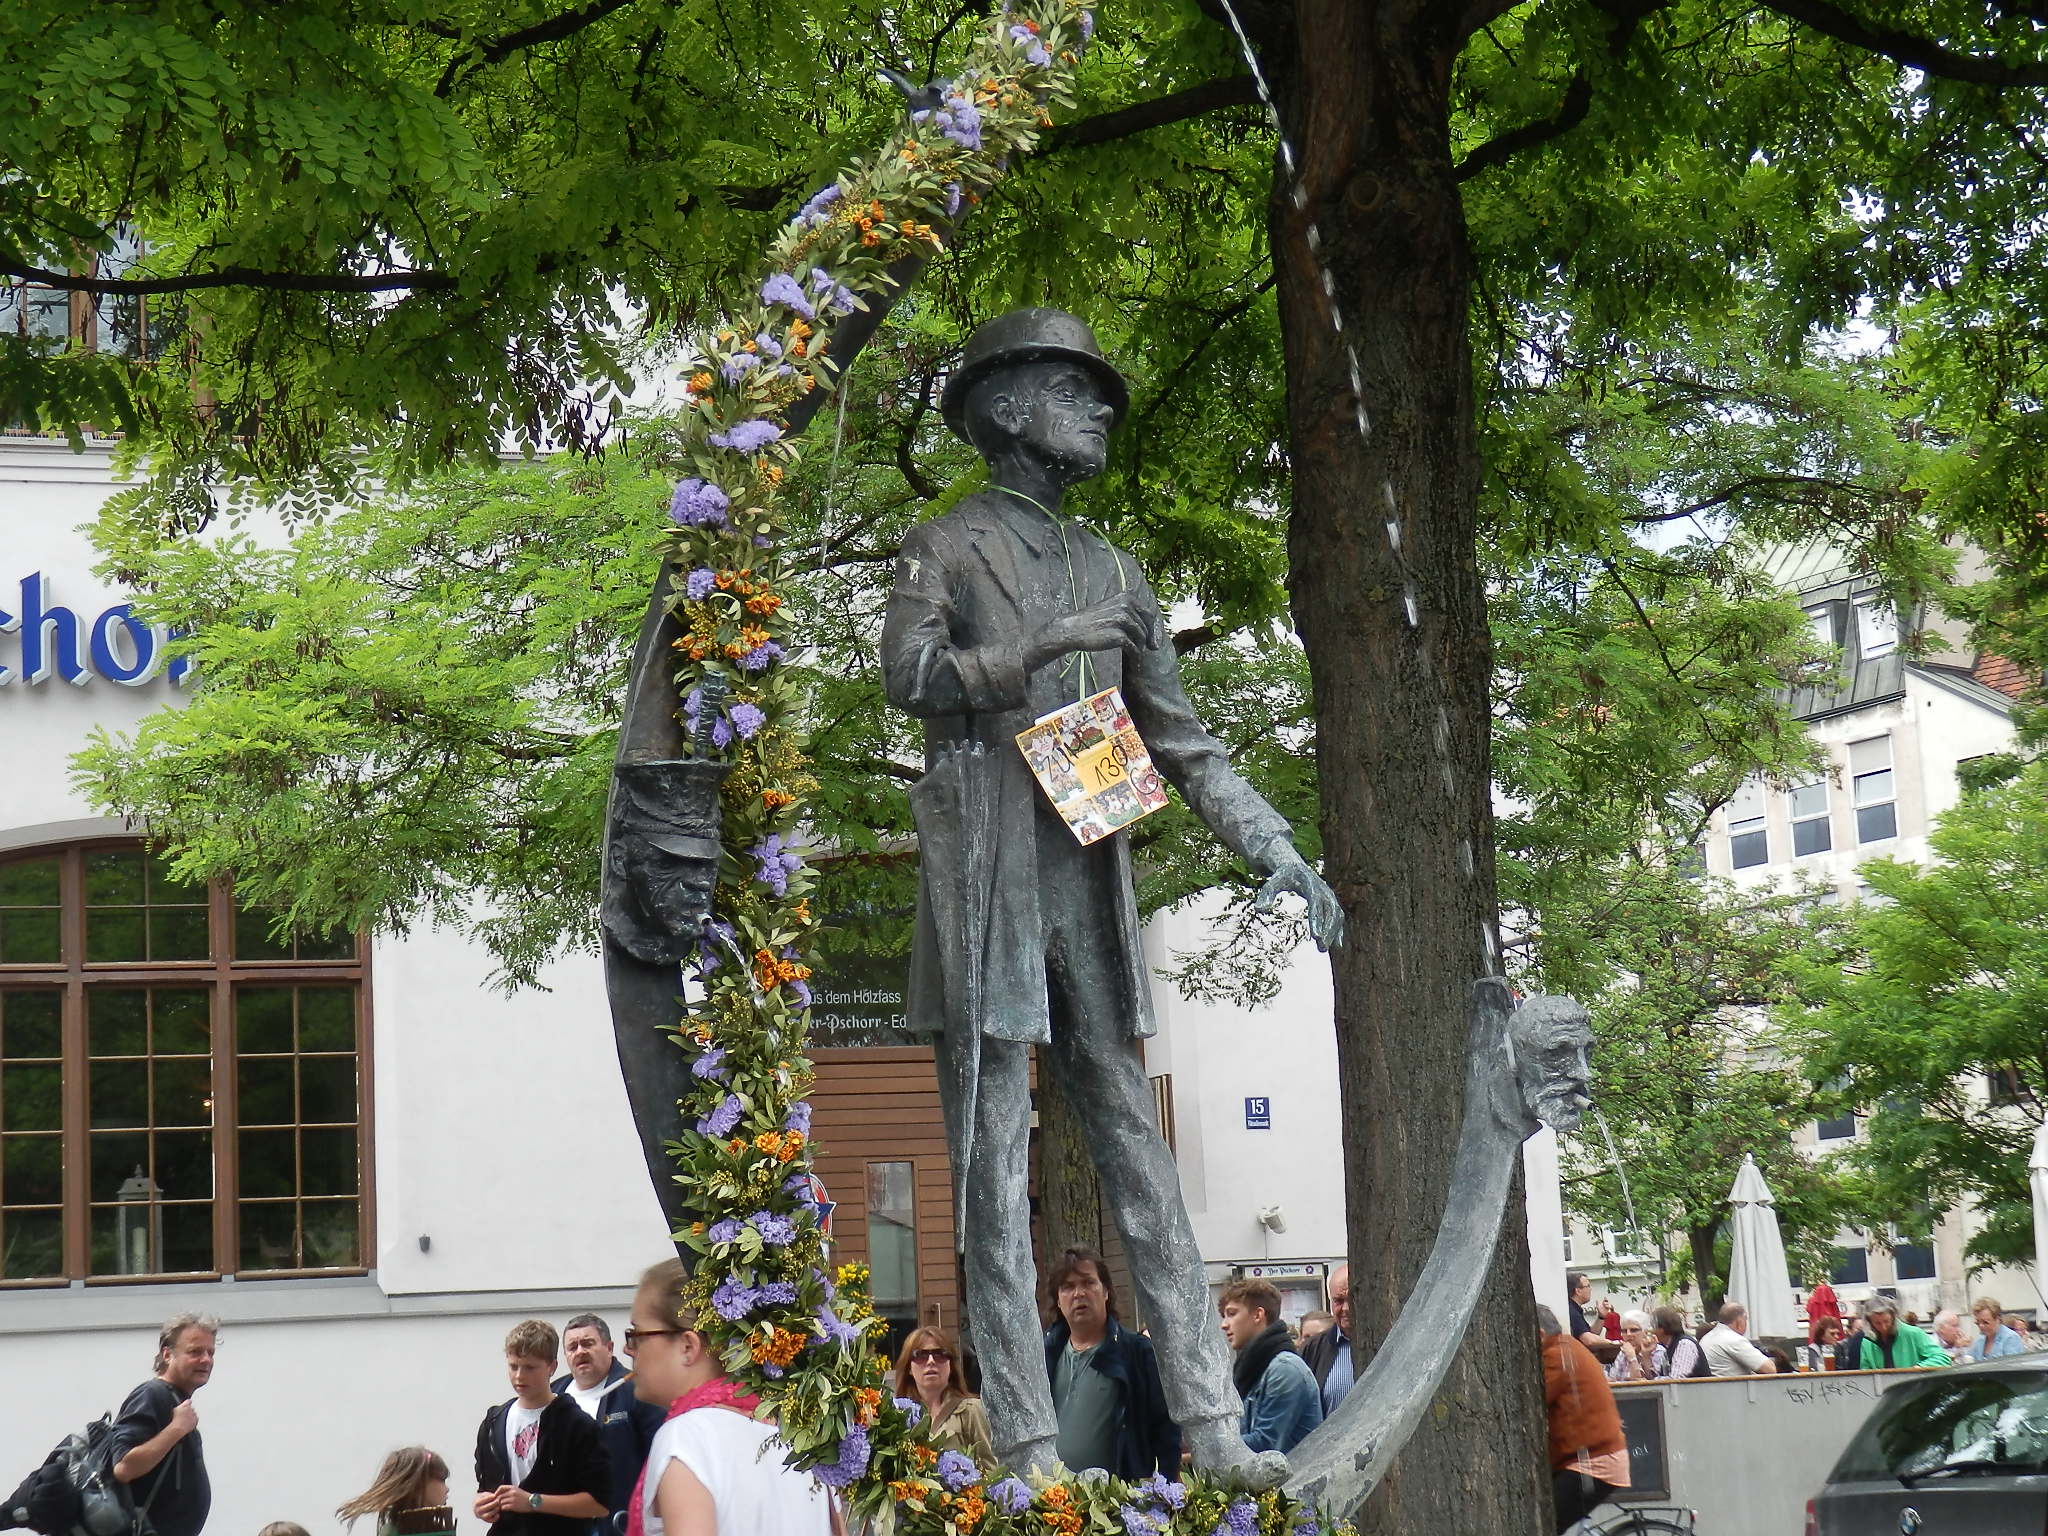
(1093,765)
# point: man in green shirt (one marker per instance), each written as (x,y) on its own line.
(1106,1393)
(1891,1345)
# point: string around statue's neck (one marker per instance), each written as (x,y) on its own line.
(1077,664)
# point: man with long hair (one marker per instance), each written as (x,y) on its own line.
(158,1429)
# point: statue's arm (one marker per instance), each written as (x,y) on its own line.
(1195,762)
(924,671)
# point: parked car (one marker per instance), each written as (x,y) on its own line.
(1958,1452)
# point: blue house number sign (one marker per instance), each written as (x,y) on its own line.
(1258,1114)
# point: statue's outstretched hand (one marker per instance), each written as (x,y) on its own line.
(1325,916)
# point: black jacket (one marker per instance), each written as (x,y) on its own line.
(569,1459)
(1147,1439)
(176,1490)
(628,1427)
(1321,1353)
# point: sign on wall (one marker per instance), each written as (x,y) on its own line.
(1258,1114)
(50,641)
(858,997)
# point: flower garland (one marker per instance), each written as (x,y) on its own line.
(798,1337)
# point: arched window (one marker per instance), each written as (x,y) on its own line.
(180,1093)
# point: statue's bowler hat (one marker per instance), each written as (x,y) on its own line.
(1029,336)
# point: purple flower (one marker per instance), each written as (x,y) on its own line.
(1012,1495)
(738,366)
(1021,33)
(783,289)
(698,584)
(799,1120)
(776,1293)
(721,733)
(814,212)
(760,656)
(1164,1490)
(1036,54)
(746,437)
(837,1329)
(912,1410)
(726,1231)
(698,504)
(853,1459)
(799,1184)
(774,859)
(769,346)
(722,1119)
(952,199)
(746,719)
(835,295)
(1140,1522)
(1306,1524)
(710,1066)
(801,991)
(770,1368)
(709,956)
(733,1299)
(777,1232)
(1087,25)
(963,118)
(956,1470)
(1241,1519)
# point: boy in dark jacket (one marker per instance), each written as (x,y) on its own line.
(541,1467)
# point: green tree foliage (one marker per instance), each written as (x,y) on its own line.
(1945,992)
(1685,1073)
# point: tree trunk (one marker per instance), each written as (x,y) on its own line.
(1401,705)
(1713,1288)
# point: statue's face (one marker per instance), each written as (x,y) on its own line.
(1057,414)
(1553,1060)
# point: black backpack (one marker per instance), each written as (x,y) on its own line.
(74,1492)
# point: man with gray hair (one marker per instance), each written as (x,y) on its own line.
(1005,610)
(1891,1345)
(157,1430)
(1949,1334)
(1728,1352)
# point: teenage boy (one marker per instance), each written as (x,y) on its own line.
(1281,1402)
(541,1467)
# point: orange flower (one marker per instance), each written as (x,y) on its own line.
(764,605)
(774,473)
(776,799)
(799,329)
(778,1348)
(870,238)
(796,348)
(736,1146)
(700,384)
(769,1142)
(922,1455)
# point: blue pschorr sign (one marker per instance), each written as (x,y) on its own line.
(1258,1114)
(52,641)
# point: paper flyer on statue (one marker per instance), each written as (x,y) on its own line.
(1093,765)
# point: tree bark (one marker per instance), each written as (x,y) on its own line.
(1402,708)
(1713,1288)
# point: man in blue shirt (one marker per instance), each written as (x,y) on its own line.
(1281,1400)
(1328,1354)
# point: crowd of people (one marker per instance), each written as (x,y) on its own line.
(671,1447)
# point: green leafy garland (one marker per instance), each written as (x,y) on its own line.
(800,1338)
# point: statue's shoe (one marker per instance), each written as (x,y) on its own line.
(1040,1456)
(1219,1450)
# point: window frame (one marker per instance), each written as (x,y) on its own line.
(1877,627)
(1753,824)
(1890,802)
(1824,818)
(896,1306)
(223,976)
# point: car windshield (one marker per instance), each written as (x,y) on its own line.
(1951,1426)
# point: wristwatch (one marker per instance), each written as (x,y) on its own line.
(533,1502)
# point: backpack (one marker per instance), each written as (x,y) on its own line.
(74,1491)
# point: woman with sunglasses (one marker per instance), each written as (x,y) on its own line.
(711,1470)
(928,1370)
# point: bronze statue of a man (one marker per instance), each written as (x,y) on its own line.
(1003,611)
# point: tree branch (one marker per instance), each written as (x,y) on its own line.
(231,277)
(1177,106)
(1909,49)
(552,30)
(1578,100)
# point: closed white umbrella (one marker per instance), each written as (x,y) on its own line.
(1757,1277)
(2037,1175)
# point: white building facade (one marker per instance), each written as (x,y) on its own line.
(1895,730)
